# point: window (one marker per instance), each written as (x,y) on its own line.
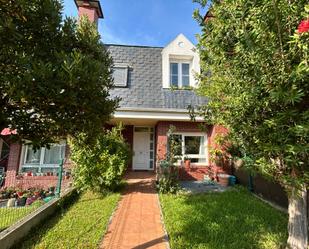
(179,74)
(191,145)
(43,160)
(4,149)
(120,75)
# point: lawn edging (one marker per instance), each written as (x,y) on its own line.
(20,229)
(167,239)
(272,204)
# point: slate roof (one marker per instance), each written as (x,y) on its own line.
(144,88)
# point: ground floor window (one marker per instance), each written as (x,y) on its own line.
(192,146)
(4,150)
(43,160)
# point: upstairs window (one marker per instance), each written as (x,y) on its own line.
(120,75)
(179,74)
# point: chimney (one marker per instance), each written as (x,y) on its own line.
(90,8)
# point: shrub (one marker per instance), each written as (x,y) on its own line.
(168,178)
(101,165)
(168,172)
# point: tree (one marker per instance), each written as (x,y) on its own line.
(101,165)
(255,72)
(55,74)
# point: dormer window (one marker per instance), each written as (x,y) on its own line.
(179,74)
(180,63)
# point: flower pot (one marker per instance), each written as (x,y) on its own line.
(11,202)
(29,201)
(238,163)
(187,164)
(21,201)
(224,179)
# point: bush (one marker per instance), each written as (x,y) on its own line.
(168,172)
(101,165)
(168,178)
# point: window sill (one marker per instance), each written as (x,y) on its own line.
(179,88)
(40,166)
(193,165)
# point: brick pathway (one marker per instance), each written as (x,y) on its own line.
(136,223)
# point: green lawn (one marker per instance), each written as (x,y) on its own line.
(9,216)
(82,225)
(231,220)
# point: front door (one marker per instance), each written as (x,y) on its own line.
(141,146)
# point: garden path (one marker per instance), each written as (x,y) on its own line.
(137,224)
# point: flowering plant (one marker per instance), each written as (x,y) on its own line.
(303,26)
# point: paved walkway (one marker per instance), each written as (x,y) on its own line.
(136,223)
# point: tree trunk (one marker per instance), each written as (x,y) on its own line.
(298,220)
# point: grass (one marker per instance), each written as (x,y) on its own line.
(81,225)
(10,215)
(230,220)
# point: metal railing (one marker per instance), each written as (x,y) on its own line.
(16,203)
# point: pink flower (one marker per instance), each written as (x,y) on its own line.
(303,26)
(8,131)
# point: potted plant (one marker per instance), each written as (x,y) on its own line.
(37,193)
(223,179)
(19,193)
(21,200)
(11,202)
(187,162)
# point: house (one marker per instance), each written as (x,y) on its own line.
(156,86)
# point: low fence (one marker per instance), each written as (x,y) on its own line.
(20,229)
(17,202)
(268,190)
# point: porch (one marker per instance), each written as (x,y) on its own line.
(148,140)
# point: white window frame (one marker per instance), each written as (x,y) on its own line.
(41,164)
(183,155)
(179,63)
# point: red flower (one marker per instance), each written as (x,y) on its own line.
(303,26)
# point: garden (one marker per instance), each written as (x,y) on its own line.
(17,203)
(80,223)
(214,213)
(254,74)
(230,220)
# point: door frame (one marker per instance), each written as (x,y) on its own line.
(151,130)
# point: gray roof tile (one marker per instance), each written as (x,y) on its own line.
(145,80)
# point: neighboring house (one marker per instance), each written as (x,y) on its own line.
(156,86)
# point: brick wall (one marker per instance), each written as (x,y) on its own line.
(13,164)
(90,12)
(42,182)
(195,172)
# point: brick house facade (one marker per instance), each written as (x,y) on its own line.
(156,86)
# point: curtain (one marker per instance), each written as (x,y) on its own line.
(33,157)
(54,154)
